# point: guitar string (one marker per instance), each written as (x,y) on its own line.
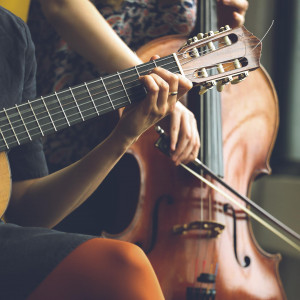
(59,111)
(107,77)
(96,81)
(29,110)
(78,94)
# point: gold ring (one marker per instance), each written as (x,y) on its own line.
(173,93)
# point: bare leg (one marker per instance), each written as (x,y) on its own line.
(101,269)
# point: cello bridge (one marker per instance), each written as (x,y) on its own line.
(209,228)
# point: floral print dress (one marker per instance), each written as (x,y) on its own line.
(135,21)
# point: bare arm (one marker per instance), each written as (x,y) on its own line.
(87,32)
(46,201)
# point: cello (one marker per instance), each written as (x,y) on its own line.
(201,246)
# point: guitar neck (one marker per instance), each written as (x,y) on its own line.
(45,115)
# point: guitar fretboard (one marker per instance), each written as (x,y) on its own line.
(45,115)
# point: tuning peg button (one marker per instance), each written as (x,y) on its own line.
(200,36)
(240,78)
(221,83)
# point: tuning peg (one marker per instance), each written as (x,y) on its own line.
(195,39)
(200,36)
(207,86)
(240,78)
(223,82)
(203,90)
(220,86)
(189,41)
(237,64)
(210,33)
(225,28)
(194,52)
(227,40)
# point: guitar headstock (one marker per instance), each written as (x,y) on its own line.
(219,58)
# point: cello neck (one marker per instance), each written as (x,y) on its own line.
(208,113)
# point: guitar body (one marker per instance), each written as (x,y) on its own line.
(5,179)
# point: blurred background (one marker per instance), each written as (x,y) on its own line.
(279,193)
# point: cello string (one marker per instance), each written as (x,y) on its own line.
(246,210)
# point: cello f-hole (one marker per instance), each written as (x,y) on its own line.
(247,259)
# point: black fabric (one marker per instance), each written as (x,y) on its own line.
(17,85)
(27,255)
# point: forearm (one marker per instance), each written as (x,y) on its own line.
(87,32)
(48,200)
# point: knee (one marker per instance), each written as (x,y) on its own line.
(128,256)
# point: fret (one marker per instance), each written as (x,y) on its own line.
(48,113)
(178,64)
(36,119)
(169,63)
(65,113)
(51,113)
(53,107)
(144,89)
(75,101)
(18,128)
(144,69)
(80,103)
(62,108)
(11,126)
(91,98)
(107,93)
(135,89)
(19,112)
(4,140)
(124,87)
(100,98)
(137,71)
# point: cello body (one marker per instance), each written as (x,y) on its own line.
(168,197)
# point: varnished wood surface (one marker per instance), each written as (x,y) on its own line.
(5,182)
(169,196)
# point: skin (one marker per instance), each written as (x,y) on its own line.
(63,191)
(75,183)
(232,12)
(78,21)
(84,29)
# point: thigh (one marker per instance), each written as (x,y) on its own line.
(29,254)
(101,269)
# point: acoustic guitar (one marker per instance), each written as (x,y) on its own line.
(208,60)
